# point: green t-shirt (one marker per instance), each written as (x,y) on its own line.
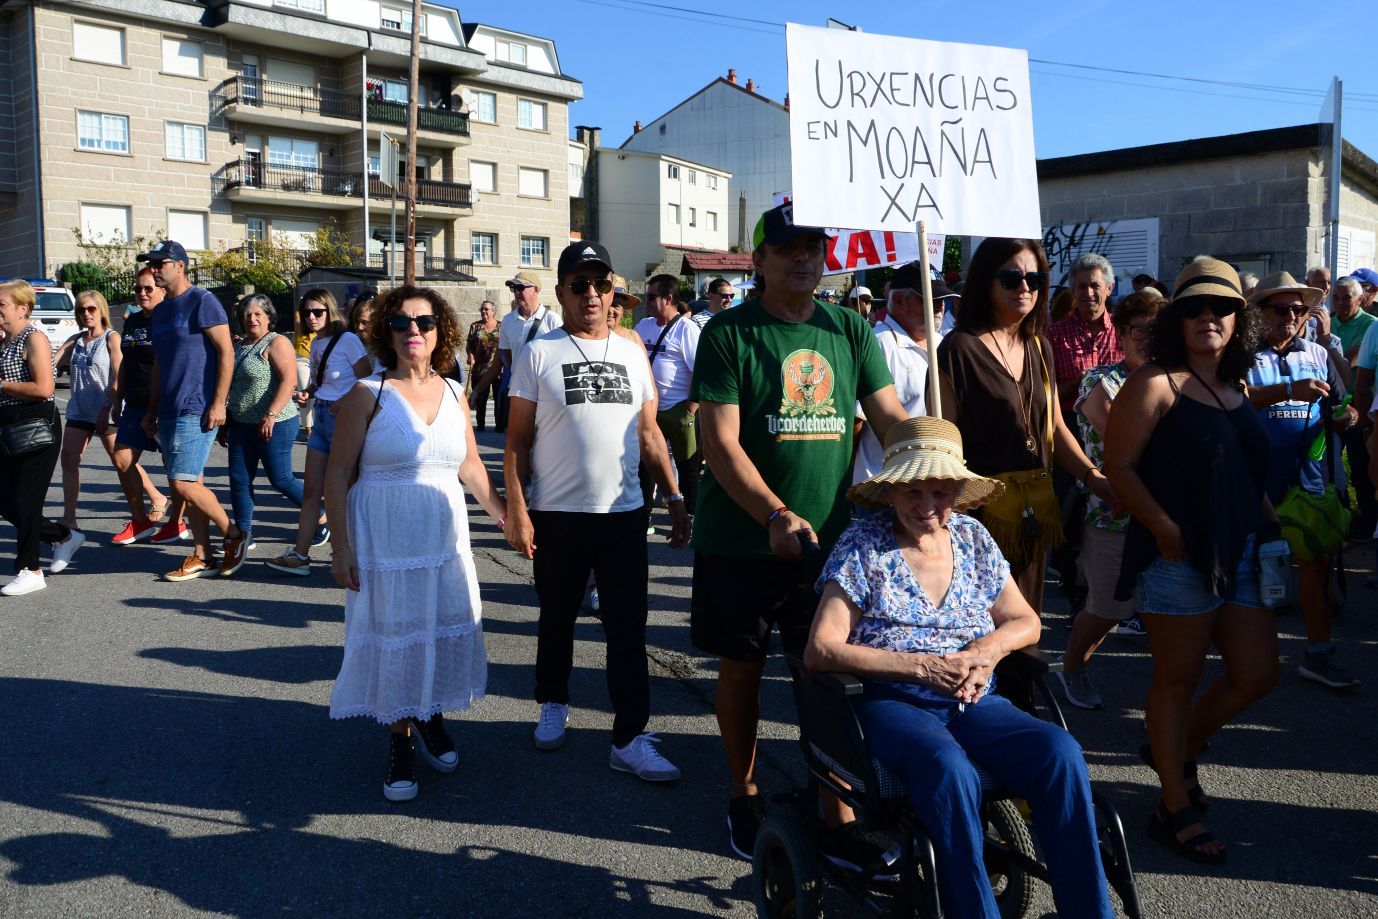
(1351,333)
(796,385)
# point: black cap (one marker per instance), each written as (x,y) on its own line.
(776,227)
(910,277)
(165,251)
(581,253)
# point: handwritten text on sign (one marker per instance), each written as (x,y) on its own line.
(886,131)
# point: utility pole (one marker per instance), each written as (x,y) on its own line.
(410,267)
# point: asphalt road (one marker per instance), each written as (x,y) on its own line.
(167,752)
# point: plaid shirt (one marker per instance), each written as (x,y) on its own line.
(1078,347)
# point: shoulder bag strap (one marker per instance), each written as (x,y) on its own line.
(359,460)
(661,340)
(325,357)
(1050,405)
(535,327)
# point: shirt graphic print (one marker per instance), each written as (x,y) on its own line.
(597,382)
(808,410)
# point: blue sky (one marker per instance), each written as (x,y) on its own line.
(636,62)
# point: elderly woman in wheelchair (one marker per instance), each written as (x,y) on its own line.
(919,604)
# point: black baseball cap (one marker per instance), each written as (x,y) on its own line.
(581,253)
(777,227)
(166,251)
(910,277)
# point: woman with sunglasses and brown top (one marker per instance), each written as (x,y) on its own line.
(998,388)
(1187,452)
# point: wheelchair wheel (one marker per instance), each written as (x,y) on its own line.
(1009,881)
(786,878)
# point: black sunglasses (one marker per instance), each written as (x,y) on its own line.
(318,313)
(1193,307)
(1288,308)
(400,322)
(580,286)
(1011,278)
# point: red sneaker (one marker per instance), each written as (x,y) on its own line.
(134,532)
(172,531)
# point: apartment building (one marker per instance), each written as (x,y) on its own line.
(219,122)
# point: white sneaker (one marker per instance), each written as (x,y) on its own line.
(550,730)
(63,551)
(642,759)
(593,599)
(25,582)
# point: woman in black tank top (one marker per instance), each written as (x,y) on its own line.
(1188,455)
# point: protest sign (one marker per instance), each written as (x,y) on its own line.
(887,131)
(850,250)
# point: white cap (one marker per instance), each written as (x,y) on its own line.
(859,292)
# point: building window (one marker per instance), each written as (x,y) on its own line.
(712,220)
(485,108)
(535,252)
(710,180)
(693,215)
(672,171)
(189,229)
(185,141)
(287,151)
(531,114)
(182,57)
(306,6)
(396,91)
(399,20)
(576,180)
(97,44)
(106,133)
(484,248)
(483,176)
(693,177)
(674,215)
(512,52)
(105,224)
(532,183)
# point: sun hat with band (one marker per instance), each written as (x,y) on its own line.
(619,289)
(917,449)
(1208,277)
(1282,282)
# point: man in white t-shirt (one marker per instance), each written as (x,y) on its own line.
(902,340)
(672,340)
(527,320)
(582,419)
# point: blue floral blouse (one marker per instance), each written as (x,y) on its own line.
(896,615)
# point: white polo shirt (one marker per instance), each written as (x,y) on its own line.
(514,331)
(672,361)
(908,363)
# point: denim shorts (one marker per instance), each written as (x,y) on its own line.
(130,432)
(185,446)
(322,427)
(1177,589)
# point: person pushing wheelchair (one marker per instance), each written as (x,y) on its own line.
(919,604)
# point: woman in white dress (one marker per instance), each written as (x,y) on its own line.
(413,633)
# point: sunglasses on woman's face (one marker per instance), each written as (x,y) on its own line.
(400,322)
(1011,278)
(1193,309)
(318,313)
(580,286)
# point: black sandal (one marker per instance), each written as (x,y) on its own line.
(1195,794)
(1164,827)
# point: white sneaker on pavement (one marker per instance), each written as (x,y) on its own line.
(550,729)
(643,760)
(25,582)
(63,551)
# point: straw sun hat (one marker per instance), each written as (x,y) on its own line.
(925,448)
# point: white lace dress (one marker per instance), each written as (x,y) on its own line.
(413,635)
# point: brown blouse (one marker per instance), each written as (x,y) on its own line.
(991,405)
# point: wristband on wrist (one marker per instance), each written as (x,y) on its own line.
(1087,474)
(671,499)
(776,513)
(502,523)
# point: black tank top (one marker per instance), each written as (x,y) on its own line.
(1207,468)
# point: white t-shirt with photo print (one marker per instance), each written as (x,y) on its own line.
(588,394)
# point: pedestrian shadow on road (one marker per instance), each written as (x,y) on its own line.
(285,614)
(292,664)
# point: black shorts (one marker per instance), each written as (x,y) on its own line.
(737,601)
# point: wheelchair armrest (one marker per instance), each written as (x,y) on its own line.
(1028,662)
(839,684)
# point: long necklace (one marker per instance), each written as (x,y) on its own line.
(604,377)
(1025,409)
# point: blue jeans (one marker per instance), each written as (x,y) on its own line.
(1178,589)
(186,446)
(247,450)
(931,746)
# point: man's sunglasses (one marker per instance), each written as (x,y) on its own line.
(400,322)
(1288,308)
(1193,307)
(1011,278)
(580,286)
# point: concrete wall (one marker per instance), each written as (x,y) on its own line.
(1244,209)
(21,220)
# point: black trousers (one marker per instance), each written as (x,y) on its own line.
(613,547)
(1358,474)
(500,417)
(24,484)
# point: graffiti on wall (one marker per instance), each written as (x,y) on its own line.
(1131,246)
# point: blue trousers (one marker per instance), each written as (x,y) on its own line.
(247,450)
(932,744)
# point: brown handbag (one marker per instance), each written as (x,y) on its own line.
(1026,520)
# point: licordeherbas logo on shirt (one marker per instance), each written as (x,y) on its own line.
(808,410)
(600,382)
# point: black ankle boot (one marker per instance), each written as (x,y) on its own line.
(434,744)
(400,785)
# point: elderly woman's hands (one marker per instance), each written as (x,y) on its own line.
(965,674)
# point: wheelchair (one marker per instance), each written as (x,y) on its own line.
(788,873)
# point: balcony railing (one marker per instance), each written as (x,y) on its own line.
(304,100)
(442,121)
(249,173)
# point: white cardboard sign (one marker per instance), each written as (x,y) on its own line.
(858,250)
(886,131)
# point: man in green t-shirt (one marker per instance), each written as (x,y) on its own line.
(1351,319)
(777,379)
